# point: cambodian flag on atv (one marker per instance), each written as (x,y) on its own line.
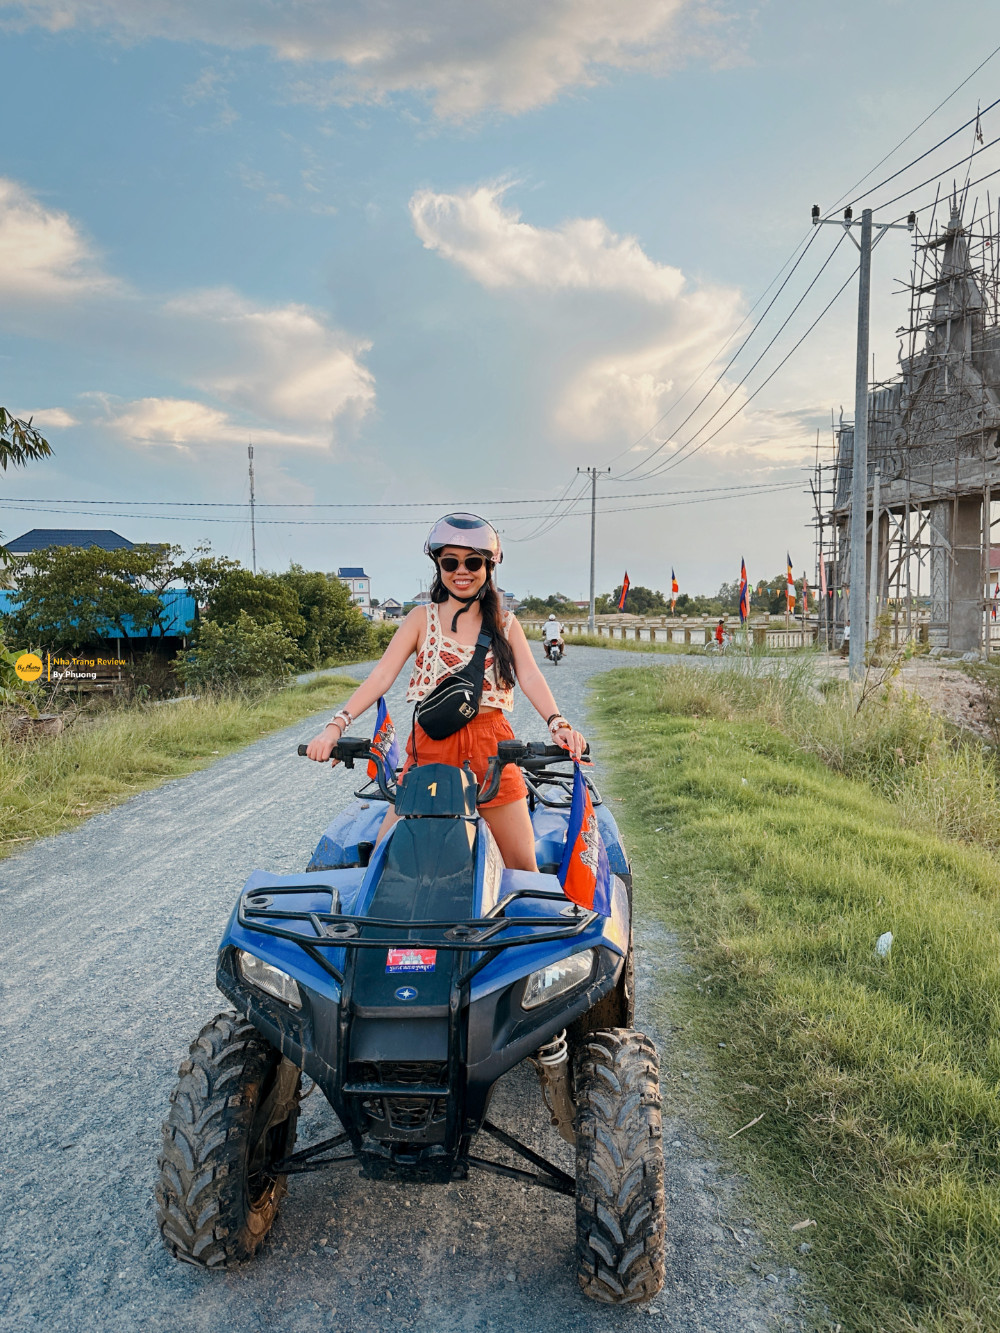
(584,874)
(384,743)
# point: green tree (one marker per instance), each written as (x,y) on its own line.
(69,596)
(202,572)
(334,627)
(266,598)
(20,444)
(556,602)
(238,654)
(640,601)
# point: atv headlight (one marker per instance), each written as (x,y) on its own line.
(269,979)
(557,979)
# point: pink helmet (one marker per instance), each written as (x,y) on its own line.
(467,530)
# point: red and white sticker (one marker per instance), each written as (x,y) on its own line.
(410,960)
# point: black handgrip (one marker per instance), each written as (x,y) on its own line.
(347,749)
(542,750)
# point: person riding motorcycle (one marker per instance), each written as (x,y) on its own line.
(442,638)
(552,633)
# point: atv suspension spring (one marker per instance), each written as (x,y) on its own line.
(554,1052)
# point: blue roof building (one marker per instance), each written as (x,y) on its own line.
(40,538)
(179,612)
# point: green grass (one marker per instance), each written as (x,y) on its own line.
(877,1078)
(54,783)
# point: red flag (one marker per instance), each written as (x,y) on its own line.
(674,589)
(584,873)
(744,593)
(822,578)
(384,743)
(805,596)
(790,588)
(625,587)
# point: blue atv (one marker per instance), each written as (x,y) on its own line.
(404,979)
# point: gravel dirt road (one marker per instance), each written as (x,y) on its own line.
(107,965)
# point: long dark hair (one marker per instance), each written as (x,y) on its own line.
(492,612)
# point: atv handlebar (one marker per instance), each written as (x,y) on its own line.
(530,755)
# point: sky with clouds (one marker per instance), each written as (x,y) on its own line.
(428,255)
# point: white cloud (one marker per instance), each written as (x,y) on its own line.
(465,55)
(279,371)
(636,330)
(476,231)
(49,418)
(43,254)
(185,423)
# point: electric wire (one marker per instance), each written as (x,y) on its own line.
(973,120)
(932,203)
(552,520)
(930,116)
(937,175)
(844,196)
(359,504)
(673,461)
(720,376)
(730,493)
(679,453)
(807,240)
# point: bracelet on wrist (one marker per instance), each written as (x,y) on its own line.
(343,718)
(551,718)
(558,723)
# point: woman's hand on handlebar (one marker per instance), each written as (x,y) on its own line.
(321,747)
(573,741)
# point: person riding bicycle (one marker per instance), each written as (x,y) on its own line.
(464,603)
(552,633)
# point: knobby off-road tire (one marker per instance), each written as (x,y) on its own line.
(619,1168)
(232,1114)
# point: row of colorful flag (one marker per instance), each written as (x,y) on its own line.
(762,588)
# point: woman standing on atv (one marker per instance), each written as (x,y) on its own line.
(464,603)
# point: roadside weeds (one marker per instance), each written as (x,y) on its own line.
(856,1091)
(54,782)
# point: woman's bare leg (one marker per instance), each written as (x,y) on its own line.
(387,823)
(511,826)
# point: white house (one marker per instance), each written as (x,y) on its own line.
(358,584)
(391,609)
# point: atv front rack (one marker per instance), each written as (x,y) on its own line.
(341,930)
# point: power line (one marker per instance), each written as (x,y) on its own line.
(229,504)
(722,373)
(932,202)
(940,144)
(722,493)
(673,461)
(976,152)
(958,88)
(858,182)
(679,452)
(711,362)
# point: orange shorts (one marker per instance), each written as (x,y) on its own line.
(476,743)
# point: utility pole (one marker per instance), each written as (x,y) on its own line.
(592,474)
(873,571)
(859,466)
(253,528)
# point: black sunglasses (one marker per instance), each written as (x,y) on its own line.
(472,563)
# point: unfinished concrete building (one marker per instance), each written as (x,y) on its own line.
(933,459)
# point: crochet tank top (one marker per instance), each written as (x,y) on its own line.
(438,656)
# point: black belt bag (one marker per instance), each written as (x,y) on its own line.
(454,702)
